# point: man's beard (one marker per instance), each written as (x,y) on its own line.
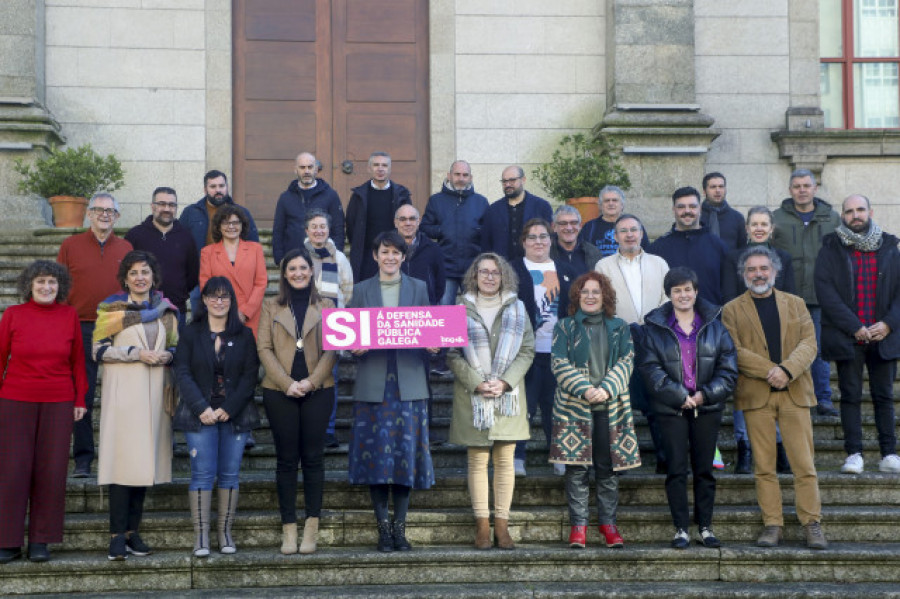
(859,228)
(759,289)
(218,201)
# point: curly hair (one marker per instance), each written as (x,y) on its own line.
(224,212)
(133,257)
(608,306)
(44,268)
(509,281)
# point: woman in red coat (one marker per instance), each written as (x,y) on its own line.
(240,261)
(42,389)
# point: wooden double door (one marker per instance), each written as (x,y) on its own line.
(339,78)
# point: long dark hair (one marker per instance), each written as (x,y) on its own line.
(284,288)
(218,286)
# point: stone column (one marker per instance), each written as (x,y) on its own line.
(26,126)
(651,102)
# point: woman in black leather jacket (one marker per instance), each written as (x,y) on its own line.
(690,368)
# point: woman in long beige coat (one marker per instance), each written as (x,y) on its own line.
(489,407)
(134,339)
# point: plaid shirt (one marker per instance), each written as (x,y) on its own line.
(866,278)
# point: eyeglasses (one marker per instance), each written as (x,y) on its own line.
(218,299)
(407,219)
(106,211)
(512,180)
(232,224)
(166,205)
(541,237)
(488,274)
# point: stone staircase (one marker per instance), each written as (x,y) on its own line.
(861,519)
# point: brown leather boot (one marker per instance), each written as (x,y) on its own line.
(501,534)
(482,533)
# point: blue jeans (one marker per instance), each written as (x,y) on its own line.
(216,452)
(821,370)
(540,388)
(451,288)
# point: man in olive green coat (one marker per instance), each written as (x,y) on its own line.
(800,224)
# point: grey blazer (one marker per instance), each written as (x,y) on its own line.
(371,371)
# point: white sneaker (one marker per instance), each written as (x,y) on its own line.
(890,463)
(519,466)
(559,469)
(854,464)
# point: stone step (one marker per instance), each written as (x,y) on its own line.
(262,529)
(171,571)
(641,488)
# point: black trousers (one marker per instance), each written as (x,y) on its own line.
(298,427)
(689,436)
(126,508)
(881,387)
(83,430)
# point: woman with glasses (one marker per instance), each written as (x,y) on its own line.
(489,413)
(216,366)
(593,358)
(544,290)
(240,261)
(297,393)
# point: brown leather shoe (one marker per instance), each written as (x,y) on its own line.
(482,533)
(501,534)
(815,537)
(771,536)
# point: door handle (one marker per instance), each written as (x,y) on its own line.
(347,167)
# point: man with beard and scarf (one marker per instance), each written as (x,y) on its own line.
(502,230)
(858,285)
(722,220)
(776,345)
(453,218)
(305,193)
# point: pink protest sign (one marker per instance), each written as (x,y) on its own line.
(404,327)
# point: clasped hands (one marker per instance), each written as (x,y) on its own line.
(155,358)
(692,402)
(491,389)
(299,388)
(210,416)
(596,395)
(876,332)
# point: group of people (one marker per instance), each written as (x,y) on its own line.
(577,322)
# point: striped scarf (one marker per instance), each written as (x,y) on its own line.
(325,263)
(512,328)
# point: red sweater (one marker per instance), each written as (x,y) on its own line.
(93,268)
(41,354)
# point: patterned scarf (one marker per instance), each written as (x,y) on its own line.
(512,327)
(868,242)
(116,313)
(325,262)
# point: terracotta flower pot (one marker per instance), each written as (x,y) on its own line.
(589,207)
(68,211)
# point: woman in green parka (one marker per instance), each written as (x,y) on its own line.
(592,358)
(489,409)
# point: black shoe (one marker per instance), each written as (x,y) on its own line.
(782,466)
(136,545)
(385,539)
(398,533)
(8,554)
(681,540)
(743,464)
(826,410)
(250,443)
(81,471)
(118,549)
(331,441)
(38,552)
(708,539)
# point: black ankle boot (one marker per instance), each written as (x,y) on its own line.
(782,466)
(743,464)
(398,533)
(385,539)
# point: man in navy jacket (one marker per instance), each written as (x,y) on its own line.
(722,220)
(689,244)
(503,222)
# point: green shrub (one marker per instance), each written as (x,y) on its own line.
(580,167)
(79,172)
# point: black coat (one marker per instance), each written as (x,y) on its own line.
(289,226)
(732,228)
(194,370)
(836,290)
(454,220)
(495,231)
(661,366)
(526,289)
(357,210)
(699,250)
(426,263)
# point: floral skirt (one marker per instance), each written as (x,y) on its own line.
(389,443)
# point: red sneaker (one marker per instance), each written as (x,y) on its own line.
(578,537)
(613,539)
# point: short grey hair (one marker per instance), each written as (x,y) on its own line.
(758,250)
(317,213)
(103,195)
(801,173)
(566,209)
(375,155)
(614,189)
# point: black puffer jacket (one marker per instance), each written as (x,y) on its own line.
(661,361)
(453,218)
(836,290)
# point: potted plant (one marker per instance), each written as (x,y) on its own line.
(579,168)
(67,178)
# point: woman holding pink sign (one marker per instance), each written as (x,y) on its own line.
(489,409)
(389,441)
